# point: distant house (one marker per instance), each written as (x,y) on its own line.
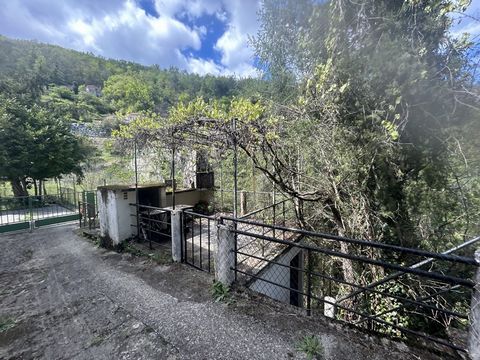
(93,89)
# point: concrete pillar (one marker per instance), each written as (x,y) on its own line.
(176,224)
(225,256)
(474,334)
(329,307)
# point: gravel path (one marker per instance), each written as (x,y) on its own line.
(63,298)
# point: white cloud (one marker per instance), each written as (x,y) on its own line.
(203,67)
(131,34)
(473,29)
(121,29)
(237,56)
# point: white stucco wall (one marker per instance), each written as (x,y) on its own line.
(124,214)
(279,275)
(115,214)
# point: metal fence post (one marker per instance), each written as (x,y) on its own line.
(309,282)
(474,334)
(225,257)
(274,218)
(176,224)
(30,214)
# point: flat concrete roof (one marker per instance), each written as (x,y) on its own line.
(125,187)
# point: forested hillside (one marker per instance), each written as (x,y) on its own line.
(26,64)
(44,83)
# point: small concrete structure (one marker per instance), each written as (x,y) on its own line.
(115,211)
(288,277)
(329,307)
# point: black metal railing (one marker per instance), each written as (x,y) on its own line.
(248,201)
(199,232)
(369,284)
(281,213)
(153,224)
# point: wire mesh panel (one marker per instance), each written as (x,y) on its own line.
(402,292)
(199,245)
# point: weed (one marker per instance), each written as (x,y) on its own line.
(311,346)
(97,340)
(160,258)
(28,253)
(6,324)
(221,293)
(130,249)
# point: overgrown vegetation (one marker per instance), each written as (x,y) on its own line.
(47,91)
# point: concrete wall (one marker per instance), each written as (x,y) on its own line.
(189,197)
(115,215)
(279,275)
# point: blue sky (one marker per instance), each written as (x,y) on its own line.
(200,36)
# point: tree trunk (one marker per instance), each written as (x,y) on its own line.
(18,188)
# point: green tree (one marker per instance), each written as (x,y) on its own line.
(128,93)
(379,95)
(35,144)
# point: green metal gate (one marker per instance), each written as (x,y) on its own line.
(31,212)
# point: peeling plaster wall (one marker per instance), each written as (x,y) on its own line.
(108,214)
(115,215)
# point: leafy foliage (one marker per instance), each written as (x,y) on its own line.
(35,144)
(128,93)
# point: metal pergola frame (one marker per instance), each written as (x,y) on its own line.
(228,142)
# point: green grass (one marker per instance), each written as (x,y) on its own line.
(97,340)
